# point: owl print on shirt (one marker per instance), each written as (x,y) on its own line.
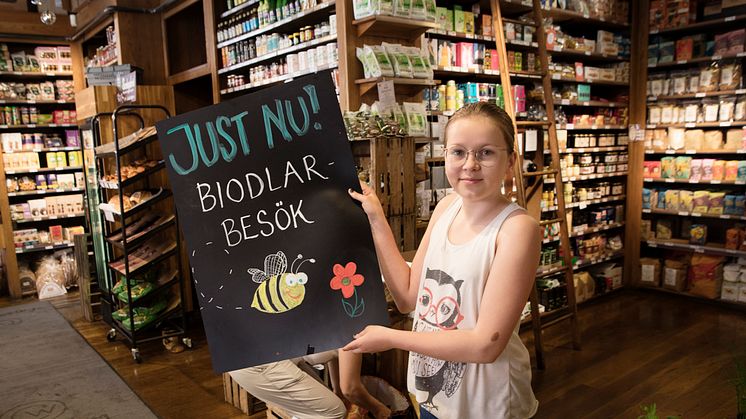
(438,308)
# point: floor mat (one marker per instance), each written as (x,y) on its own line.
(49,371)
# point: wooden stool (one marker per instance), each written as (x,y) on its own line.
(240,398)
(274,412)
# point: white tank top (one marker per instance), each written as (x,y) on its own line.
(450,294)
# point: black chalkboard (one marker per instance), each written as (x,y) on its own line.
(260,185)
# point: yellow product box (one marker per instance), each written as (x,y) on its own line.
(469,23)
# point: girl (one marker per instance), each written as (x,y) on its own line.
(468,282)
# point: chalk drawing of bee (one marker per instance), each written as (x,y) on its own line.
(279,291)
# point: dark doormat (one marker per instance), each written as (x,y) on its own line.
(47,370)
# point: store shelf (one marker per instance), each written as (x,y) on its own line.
(453,71)
(295,19)
(529,124)
(35,102)
(586,263)
(490,40)
(590,149)
(585,55)
(171,279)
(279,53)
(693,182)
(160,196)
(720,302)
(50,217)
(165,254)
(392,27)
(695,214)
(140,237)
(549,270)
(698,95)
(698,60)
(109,149)
(130,335)
(700,26)
(573,127)
(583,204)
(45,192)
(709,249)
(366,85)
(591,103)
(33,74)
(44,170)
(699,125)
(586,232)
(557,78)
(43,247)
(129,181)
(42,150)
(275,79)
(238,8)
(588,177)
(561,15)
(691,152)
(36,126)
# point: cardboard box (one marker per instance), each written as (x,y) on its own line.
(441,18)
(650,272)
(730,291)
(459,21)
(604,36)
(684,49)
(674,275)
(469,23)
(55,234)
(486,25)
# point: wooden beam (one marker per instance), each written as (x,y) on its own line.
(29,24)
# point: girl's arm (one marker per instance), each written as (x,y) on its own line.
(402,281)
(506,292)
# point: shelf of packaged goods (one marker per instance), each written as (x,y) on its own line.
(584,263)
(161,195)
(515,8)
(689,152)
(35,126)
(550,317)
(165,281)
(725,124)
(583,204)
(45,192)
(238,8)
(591,103)
(587,177)
(50,217)
(44,170)
(590,149)
(129,181)
(694,182)
(33,74)
(453,71)
(42,150)
(699,26)
(698,60)
(710,248)
(370,83)
(720,302)
(584,55)
(274,80)
(526,74)
(558,78)
(43,247)
(530,124)
(698,95)
(279,53)
(147,139)
(573,127)
(35,102)
(156,334)
(295,19)
(695,214)
(488,39)
(392,26)
(586,232)
(549,270)
(165,254)
(561,15)
(138,238)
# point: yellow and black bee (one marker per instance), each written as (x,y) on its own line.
(279,291)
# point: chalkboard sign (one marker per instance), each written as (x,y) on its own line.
(282,258)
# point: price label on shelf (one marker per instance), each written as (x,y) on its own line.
(699,95)
(555,76)
(582,205)
(690,125)
(670,180)
(717,57)
(683,213)
(690,152)
(48,247)
(696,214)
(725,217)
(725,124)
(670,151)
(652,244)
(565,101)
(730,19)
(741,92)
(698,249)
(681,62)
(715,182)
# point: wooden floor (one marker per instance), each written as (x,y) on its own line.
(638,347)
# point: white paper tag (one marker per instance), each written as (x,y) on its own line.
(386,94)
(109,216)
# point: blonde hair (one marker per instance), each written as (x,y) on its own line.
(492,112)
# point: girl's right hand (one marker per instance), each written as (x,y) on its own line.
(369,200)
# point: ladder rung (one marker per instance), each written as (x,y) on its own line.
(547,222)
(542,173)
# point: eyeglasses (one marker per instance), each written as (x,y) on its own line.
(486,157)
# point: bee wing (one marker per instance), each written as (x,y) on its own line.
(275,264)
(257,275)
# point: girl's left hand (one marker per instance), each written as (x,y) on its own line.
(371,339)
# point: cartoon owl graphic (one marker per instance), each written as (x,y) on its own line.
(439,308)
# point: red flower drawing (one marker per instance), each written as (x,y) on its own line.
(346,279)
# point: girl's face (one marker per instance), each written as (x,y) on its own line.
(477,159)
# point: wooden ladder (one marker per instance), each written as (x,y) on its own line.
(525,196)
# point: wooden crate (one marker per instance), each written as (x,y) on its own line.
(404,228)
(240,398)
(90,294)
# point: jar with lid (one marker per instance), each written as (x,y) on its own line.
(325,29)
(585,158)
(587,169)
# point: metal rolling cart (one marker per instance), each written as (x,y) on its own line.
(141,282)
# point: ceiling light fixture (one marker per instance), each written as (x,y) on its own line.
(46,11)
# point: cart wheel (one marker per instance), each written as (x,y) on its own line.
(187,342)
(111,336)
(136,355)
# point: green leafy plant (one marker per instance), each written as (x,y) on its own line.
(649,412)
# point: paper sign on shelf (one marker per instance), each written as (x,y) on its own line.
(386,94)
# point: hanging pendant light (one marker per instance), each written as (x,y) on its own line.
(46,11)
